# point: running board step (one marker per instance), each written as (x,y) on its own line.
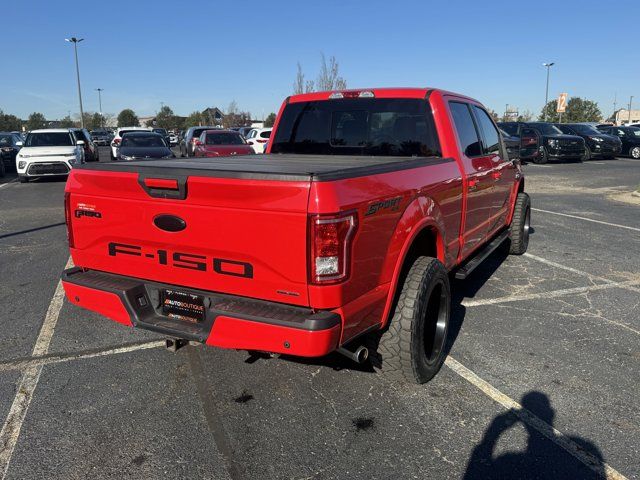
(464,271)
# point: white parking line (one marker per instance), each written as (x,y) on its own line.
(2,185)
(11,428)
(579,272)
(534,421)
(557,293)
(48,360)
(586,219)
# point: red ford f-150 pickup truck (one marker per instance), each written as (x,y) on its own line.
(343,237)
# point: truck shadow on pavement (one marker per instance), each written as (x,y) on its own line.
(543,458)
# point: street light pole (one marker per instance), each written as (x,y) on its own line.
(75,42)
(630,99)
(99,90)
(546,95)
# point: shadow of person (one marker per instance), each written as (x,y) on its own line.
(542,458)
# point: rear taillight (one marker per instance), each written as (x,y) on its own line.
(116,142)
(330,247)
(67,218)
(262,141)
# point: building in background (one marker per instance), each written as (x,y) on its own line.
(621,117)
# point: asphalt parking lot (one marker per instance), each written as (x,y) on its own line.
(542,380)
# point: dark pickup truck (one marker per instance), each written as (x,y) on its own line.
(541,142)
(342,238)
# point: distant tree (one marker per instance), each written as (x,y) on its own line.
(525,116)
(108,119)
(9,123)
(166,118)
(66,122)
(298,85)
(493,114)
(193,120)
(328,79)
(128,118)
(235,117)
(92,120)
(95,122)
(270,120)
(36,120)
(578,110)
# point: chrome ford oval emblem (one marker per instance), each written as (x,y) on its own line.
(169,223)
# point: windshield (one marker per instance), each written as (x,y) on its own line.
(585,129)
(161,131)
(362,126)
(50,139)
(224,139)
(547,128)
(142,141)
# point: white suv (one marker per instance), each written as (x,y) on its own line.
(49,152)
(115,143)
(258,138)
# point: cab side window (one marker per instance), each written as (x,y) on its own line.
(465,128)
(491,138)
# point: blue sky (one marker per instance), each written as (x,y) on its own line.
(193,54)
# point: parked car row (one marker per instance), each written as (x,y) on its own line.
(540,142)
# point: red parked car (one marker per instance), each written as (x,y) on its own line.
(221,143)
(341,238)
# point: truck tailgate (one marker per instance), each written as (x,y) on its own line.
(238,236)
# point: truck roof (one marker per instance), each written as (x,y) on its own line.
(289,167)
(387,92)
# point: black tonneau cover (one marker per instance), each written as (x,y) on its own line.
(275,167)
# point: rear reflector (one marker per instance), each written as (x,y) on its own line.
(330,249)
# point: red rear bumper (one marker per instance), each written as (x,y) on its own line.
(230,322)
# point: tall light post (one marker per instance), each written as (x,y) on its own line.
(630,99)
(546,95)
(75,42)
(99,90)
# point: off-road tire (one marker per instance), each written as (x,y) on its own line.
(2,169)
(542,158)
(587,154)
(412,347)
(520,225)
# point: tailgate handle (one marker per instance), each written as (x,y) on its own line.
(159,186)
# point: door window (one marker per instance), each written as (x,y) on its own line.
(491,138)
(465,128)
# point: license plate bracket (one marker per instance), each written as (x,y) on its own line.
(183,306)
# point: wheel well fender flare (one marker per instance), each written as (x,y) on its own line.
(422,217)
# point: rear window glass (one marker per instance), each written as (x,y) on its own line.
(50,139)
(224,139)
(546,128)
(266,134)
(364,126)
(142,141)
(510,128)
(585,129)
(122,132)
(6,140)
